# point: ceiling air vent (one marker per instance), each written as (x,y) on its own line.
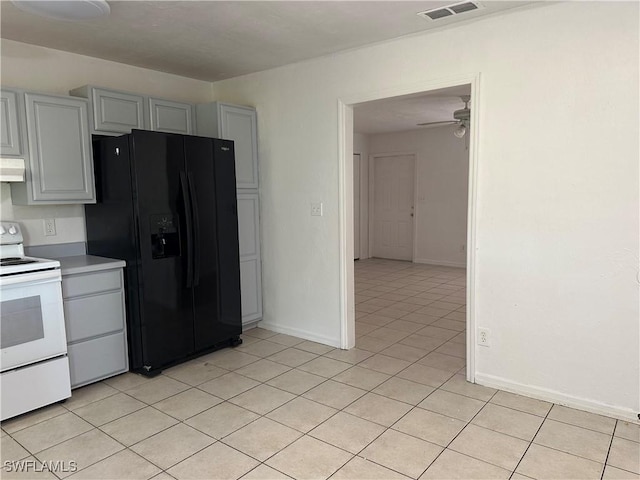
(448,11)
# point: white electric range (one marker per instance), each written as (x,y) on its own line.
(33,345)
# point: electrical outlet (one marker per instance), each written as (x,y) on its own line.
(483,337)
(49,227)
(316,209)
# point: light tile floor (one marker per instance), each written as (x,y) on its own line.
(395,407)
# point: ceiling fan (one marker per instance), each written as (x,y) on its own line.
(461,117)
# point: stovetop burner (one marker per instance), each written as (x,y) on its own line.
(6,262)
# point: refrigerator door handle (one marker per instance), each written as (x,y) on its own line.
(186,198)
(196,230)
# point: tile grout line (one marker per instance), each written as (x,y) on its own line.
(457,435)
(94,428)
(531,441)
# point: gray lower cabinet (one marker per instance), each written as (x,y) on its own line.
(12,127)
(250,263)
(114,113)
(171,117)
(94,312)
(59,167)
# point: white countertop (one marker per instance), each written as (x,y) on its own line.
(88,263)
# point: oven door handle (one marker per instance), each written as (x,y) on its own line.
(32,278)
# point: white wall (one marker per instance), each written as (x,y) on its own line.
(442,171)
(53,71)
(361,146)
(557,193)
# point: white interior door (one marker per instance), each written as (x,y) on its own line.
(356,206)
(393,207)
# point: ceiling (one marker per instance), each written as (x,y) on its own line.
(214,40)
(398,114)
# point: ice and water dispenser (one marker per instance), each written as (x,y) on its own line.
(165,240)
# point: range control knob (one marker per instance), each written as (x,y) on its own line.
(13,230)
(2,230)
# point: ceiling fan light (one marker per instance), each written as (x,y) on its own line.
(460,131)
(67,10)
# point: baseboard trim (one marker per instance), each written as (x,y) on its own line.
(250,324)
(557,397)
(296,332)
(442,263)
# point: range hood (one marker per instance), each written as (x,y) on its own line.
(11,169)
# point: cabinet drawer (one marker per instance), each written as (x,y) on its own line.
(88,283)
(95,315)
(98,358)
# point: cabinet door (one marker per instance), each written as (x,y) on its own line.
(11,136)
(239,124)
(250,263)
(171,117)
(116,112)
(61,161)
(251,288)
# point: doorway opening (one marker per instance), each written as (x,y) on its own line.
(410,297)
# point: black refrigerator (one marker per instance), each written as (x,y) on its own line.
(167,206)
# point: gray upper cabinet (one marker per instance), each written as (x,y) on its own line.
(60,163)
(12,134)
(171,117)
(114,113)
(237,123)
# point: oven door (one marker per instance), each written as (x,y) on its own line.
(31,318)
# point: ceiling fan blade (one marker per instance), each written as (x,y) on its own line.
(445,122)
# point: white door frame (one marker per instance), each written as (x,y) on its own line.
(357,206)
(372,193)
(345,202)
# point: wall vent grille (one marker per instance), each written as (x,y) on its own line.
(450,10)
